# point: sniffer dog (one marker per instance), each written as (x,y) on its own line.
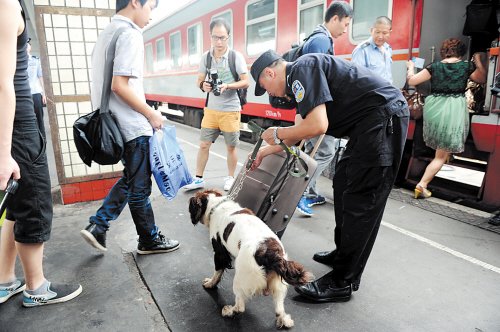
(260,261)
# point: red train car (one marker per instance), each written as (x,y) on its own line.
(175,44)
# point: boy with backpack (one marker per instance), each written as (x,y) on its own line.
(337,19)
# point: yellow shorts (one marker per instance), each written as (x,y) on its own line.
(228,122)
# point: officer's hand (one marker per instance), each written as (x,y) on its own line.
(44,100)
(257,161)
(155,119)
(268,136)
(262,153)
(207,87)
(8,168)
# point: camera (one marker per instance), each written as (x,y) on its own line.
(216,82)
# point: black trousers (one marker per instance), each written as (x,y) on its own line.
(37,101)
(362,183)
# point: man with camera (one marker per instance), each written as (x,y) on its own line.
(222,110)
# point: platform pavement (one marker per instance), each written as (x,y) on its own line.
(408,285)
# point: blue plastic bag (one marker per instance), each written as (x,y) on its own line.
(168,164)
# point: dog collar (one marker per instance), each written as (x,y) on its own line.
(216,206)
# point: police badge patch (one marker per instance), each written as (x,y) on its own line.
(298,91)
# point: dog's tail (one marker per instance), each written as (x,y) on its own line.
(271,255)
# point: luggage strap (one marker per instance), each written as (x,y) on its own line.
(291,151)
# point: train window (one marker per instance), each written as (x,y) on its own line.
(261,26)
(195,46)
(161,58)
(310,15)
(228,17)
(365,13)
(149,58)
(175,49)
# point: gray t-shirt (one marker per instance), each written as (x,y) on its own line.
(227,101)
(129,59)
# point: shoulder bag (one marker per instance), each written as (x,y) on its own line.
(415,102)
(97,135)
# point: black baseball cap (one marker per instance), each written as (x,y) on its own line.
(263,61)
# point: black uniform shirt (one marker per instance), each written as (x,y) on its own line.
(349,91)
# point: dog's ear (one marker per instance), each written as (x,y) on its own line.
(197,207)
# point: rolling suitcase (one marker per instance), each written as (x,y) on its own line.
(274,189)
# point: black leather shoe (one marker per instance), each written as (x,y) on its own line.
(325,289)
(495,220)
(324,257)
(94,237)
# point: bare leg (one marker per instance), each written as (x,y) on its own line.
(232,159)
(31,255)
(8,252)
(202,159)
(212,282)
(433,168)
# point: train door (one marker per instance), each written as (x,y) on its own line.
(466,176)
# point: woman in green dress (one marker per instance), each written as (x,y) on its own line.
(446,118)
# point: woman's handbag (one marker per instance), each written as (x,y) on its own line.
(415,102)
(97,136)
(168,165)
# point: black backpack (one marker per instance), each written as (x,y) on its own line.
(242,93)
(296,51)
(290,56)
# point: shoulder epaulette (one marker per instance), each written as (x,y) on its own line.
(365,44)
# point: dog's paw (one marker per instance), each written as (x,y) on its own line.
(284,321)
(209,283)
(229,311)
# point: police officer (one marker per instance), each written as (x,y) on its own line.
(375,53)
(340,98)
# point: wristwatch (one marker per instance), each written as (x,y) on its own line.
(277,141)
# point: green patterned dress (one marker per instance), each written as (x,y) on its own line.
(446,118)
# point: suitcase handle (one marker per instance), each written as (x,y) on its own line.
(290,151)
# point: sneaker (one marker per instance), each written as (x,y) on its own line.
(304,208)
(55,293)
(159,245)
(196,184)
(318,200)
(228,182)
(9,290)
(94,237)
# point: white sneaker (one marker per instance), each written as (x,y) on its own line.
(228,182)
(196,184)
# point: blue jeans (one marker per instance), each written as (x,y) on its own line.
(133,188)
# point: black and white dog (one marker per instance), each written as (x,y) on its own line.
(260,261)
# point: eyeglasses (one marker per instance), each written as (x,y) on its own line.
(221,38)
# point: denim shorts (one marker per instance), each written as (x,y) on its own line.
(31,206)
